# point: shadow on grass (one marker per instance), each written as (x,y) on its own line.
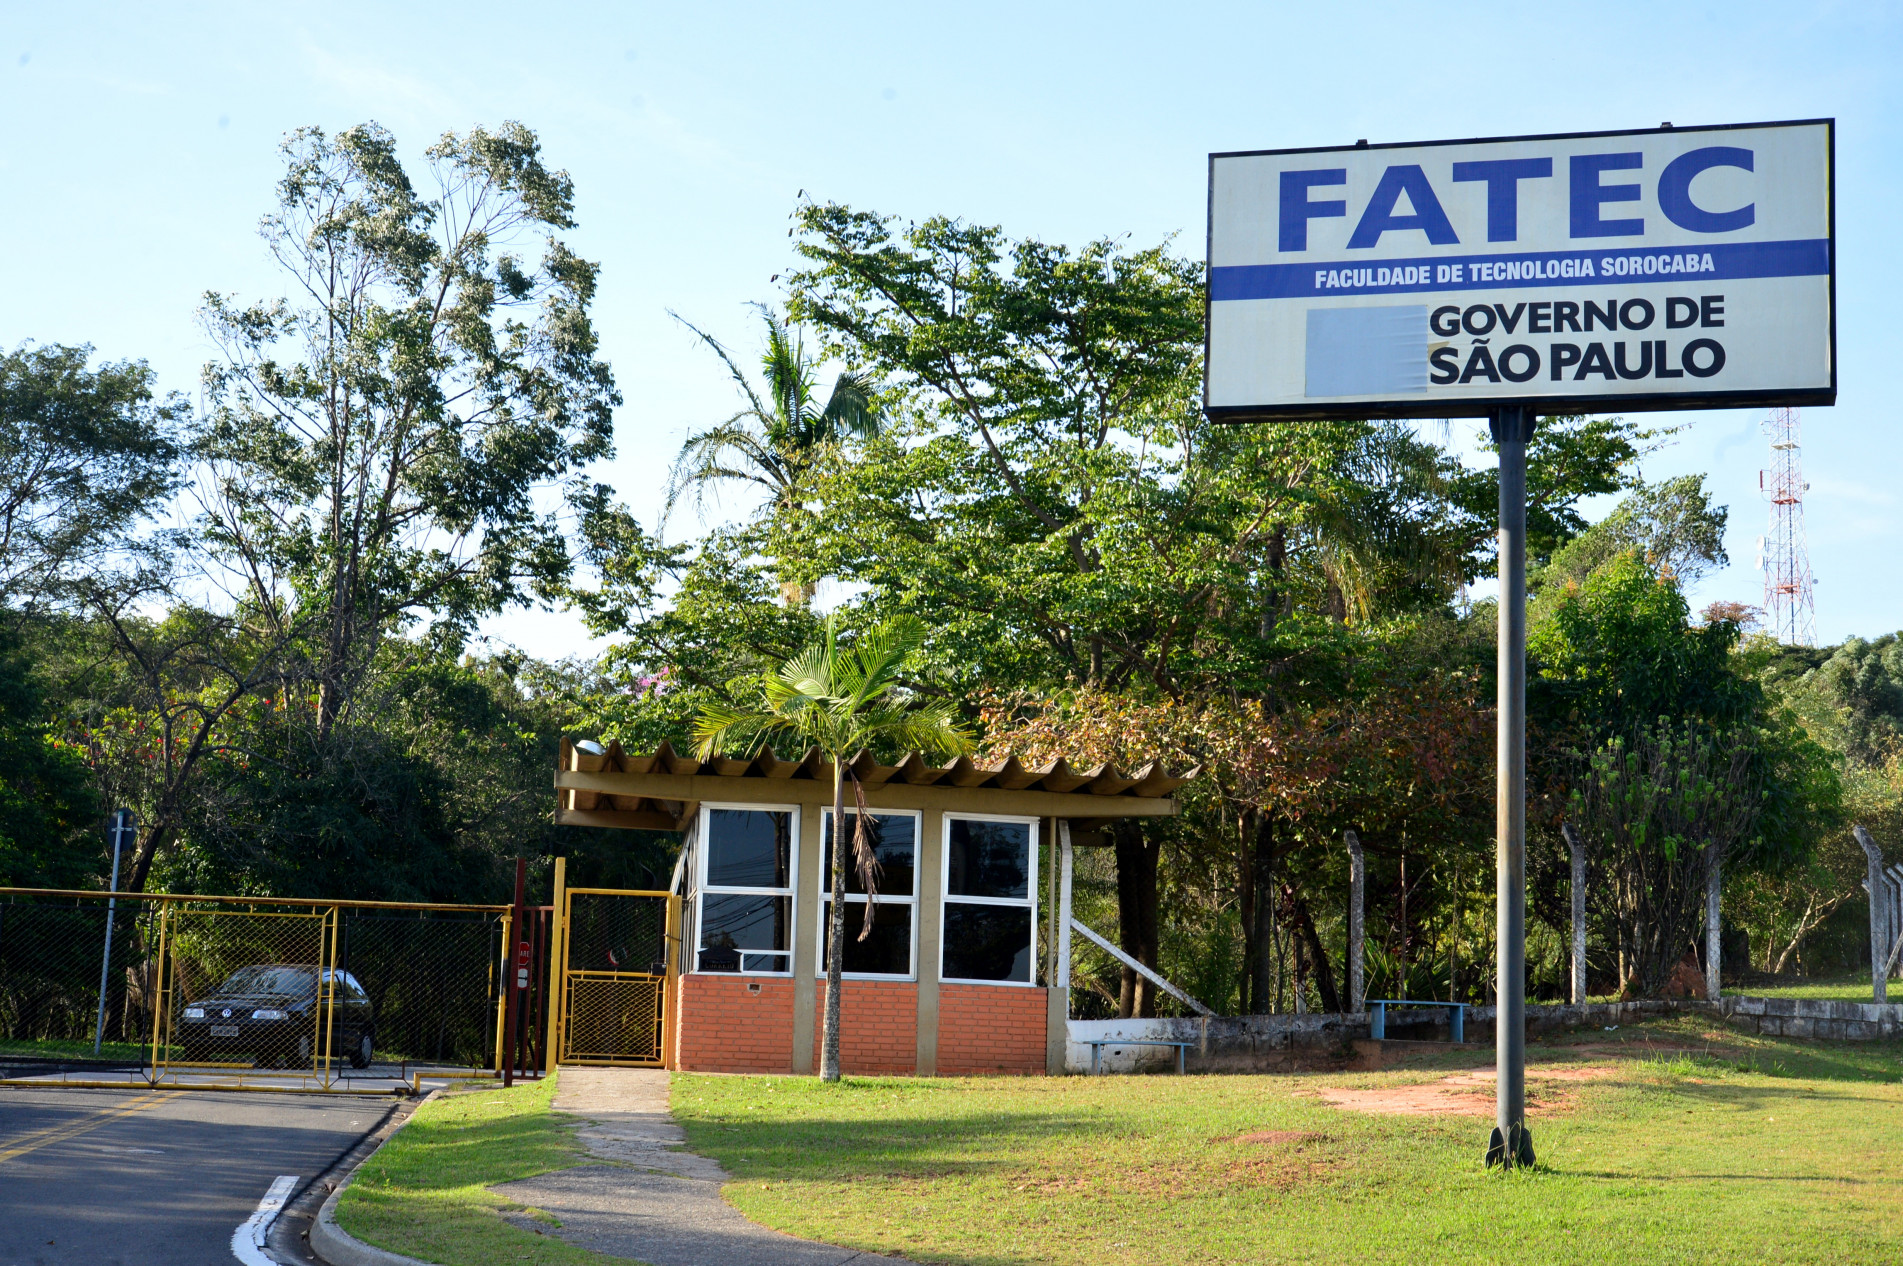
(483,1143)
(906,1147)
(1708,1041)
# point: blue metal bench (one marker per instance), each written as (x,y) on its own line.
(1097,1045)
(1378,1021)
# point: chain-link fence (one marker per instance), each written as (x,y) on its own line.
(223,991)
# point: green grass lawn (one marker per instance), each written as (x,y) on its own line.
(1700,1146)
(1835,989)
(57,1048)
(425,1193)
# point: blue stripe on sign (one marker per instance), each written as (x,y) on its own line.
(1717,262)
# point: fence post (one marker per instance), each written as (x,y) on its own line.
(123,824)
(1713,939)
(557,956)
(161,993)
(334,918)
(1895,924)
(671,984)
(1357,933)
(1879,918)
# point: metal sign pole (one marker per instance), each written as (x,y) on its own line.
(123,824)
(1511,1144)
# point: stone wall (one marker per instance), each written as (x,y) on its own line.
(1242,1043)
(1267,1043)
(1813,1018)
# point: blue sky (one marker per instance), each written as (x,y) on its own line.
(142,150)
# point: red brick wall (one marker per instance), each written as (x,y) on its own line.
(878,1030)
(727,1028)
(990,1029)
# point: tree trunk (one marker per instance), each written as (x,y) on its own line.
(1262,986)
(835,929)
(1136,916)
(1316,955)
(1272,597)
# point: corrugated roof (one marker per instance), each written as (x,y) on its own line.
(1151,781)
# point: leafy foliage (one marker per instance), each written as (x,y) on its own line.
(86,454)
(47,801)
(776,438)
(374,447)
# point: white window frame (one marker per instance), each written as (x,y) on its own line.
(702,889)
(1026,902)
(826,894)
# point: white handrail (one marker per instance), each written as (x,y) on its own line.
(1141,970)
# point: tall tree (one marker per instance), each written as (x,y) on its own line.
(85,454)
(377,441)
(775,439)
(1672,524)
(1673,753)
(840,698)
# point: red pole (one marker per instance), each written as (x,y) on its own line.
(517,975)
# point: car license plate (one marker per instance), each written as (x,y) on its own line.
(224,1030)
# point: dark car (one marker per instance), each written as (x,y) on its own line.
(270,1011)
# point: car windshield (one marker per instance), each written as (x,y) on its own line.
(269,978)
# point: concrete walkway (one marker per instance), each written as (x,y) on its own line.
(656,1203)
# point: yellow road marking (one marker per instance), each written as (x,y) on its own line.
(59,1127)
(73,1129)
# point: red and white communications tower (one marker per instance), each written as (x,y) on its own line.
(1789,611)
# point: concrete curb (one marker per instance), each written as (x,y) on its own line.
(337,1247)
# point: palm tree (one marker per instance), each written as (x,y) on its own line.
(777,437)
(838,698)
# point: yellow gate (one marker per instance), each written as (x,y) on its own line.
(276,1007)
(620,956)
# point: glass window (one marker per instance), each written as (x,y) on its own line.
(988,859)
(987,942)
(990,902)
(743,907)
(887,950)
(894,840)
(749,848)
(731,925)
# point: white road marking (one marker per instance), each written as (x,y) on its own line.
(247,1242)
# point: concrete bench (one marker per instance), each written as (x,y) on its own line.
(1097,1045)
(1378,1020)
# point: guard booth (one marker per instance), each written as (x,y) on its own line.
(948,965)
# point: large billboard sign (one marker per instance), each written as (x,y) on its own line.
(1666,269)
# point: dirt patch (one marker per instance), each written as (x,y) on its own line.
(1467,1094)
(1276,1138)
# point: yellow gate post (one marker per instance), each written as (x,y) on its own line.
(334,919)
(161,1001)
(671,988)
(502,989)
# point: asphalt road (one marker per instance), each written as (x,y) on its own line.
(162,1178)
